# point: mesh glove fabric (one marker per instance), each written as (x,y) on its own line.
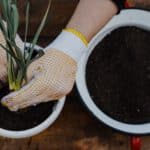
(50,77)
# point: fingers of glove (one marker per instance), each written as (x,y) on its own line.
(35,92)
(28,92)
(34,101)
(31,94)
(45,96)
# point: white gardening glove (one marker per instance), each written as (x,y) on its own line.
(52,76)
(3,58)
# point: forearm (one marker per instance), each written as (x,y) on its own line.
(91,15)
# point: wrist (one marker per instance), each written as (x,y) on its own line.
(78,34)
(70,42)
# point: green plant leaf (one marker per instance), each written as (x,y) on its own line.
(14,2)
(26,28)
(39,54)
(36,37)
(15,21)
(17,62)
(10,53)
(3,4)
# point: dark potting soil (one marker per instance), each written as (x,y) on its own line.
(118,75)
(23,119)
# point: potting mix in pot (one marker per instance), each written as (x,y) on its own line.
(118,75)
(23,119)
(17,64)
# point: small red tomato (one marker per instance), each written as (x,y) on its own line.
(135,143)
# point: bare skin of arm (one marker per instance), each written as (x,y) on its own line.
(91,15)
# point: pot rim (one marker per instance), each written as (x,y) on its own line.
(129,17)
(57,108)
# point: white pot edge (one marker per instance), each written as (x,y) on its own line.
(39,128)
(131,17)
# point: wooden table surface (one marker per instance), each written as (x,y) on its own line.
(75,129)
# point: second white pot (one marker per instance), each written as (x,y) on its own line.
(131,17)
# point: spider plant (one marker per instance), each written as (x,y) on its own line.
(17,62)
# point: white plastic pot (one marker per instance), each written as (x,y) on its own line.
(131,17)
(42,126)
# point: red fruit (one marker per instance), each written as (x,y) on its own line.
(135,143)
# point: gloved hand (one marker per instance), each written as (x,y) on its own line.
(50,77)
(3,58)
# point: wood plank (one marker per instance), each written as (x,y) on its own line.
(60,13)
(75,128)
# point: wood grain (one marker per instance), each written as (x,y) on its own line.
(60,13)
(75,128)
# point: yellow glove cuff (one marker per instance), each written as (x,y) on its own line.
(78,34)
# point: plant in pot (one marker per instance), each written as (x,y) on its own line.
(113,77)
(35,119)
